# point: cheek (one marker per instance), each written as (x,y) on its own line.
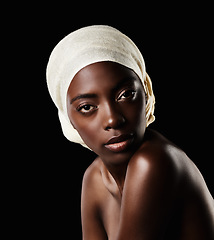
(87,129)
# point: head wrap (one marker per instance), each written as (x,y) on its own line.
(83,47)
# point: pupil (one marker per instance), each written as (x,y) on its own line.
(86,107)
(127,94)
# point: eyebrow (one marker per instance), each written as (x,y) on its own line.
(87,95)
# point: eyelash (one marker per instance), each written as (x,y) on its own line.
(121,97)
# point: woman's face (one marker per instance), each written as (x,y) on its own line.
(106,105)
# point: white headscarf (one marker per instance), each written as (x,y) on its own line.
(83,47)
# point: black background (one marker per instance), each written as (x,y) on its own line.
(44,169)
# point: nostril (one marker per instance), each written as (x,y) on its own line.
(107,128)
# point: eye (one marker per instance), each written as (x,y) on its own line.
(87,108)
(127,94)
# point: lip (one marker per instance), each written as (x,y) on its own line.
(119,143)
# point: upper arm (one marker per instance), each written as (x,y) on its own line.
(148,194)
(92,227)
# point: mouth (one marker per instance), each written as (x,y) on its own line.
(119,143)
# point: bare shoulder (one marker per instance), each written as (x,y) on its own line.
(160,161)
(156,169)
(162,183)
(93,188)
(93,192)
(164,159)
(159,156)
(92,178)
(92,171)
(151,187)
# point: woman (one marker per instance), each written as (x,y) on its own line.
(141,186)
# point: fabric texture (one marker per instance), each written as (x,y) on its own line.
(83,47)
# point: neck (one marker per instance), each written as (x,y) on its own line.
(119,175)
(114,178)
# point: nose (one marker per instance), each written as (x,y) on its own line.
(112,118)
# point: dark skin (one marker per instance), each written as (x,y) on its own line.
(141,186)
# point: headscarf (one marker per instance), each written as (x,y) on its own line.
(83,47)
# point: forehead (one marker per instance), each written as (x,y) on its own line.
(100,76)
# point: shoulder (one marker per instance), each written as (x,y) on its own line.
(157,151)
(92,185)
(92,175)
(151,187)
(92,172)
(160,159)
(157,161)
(93,192)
